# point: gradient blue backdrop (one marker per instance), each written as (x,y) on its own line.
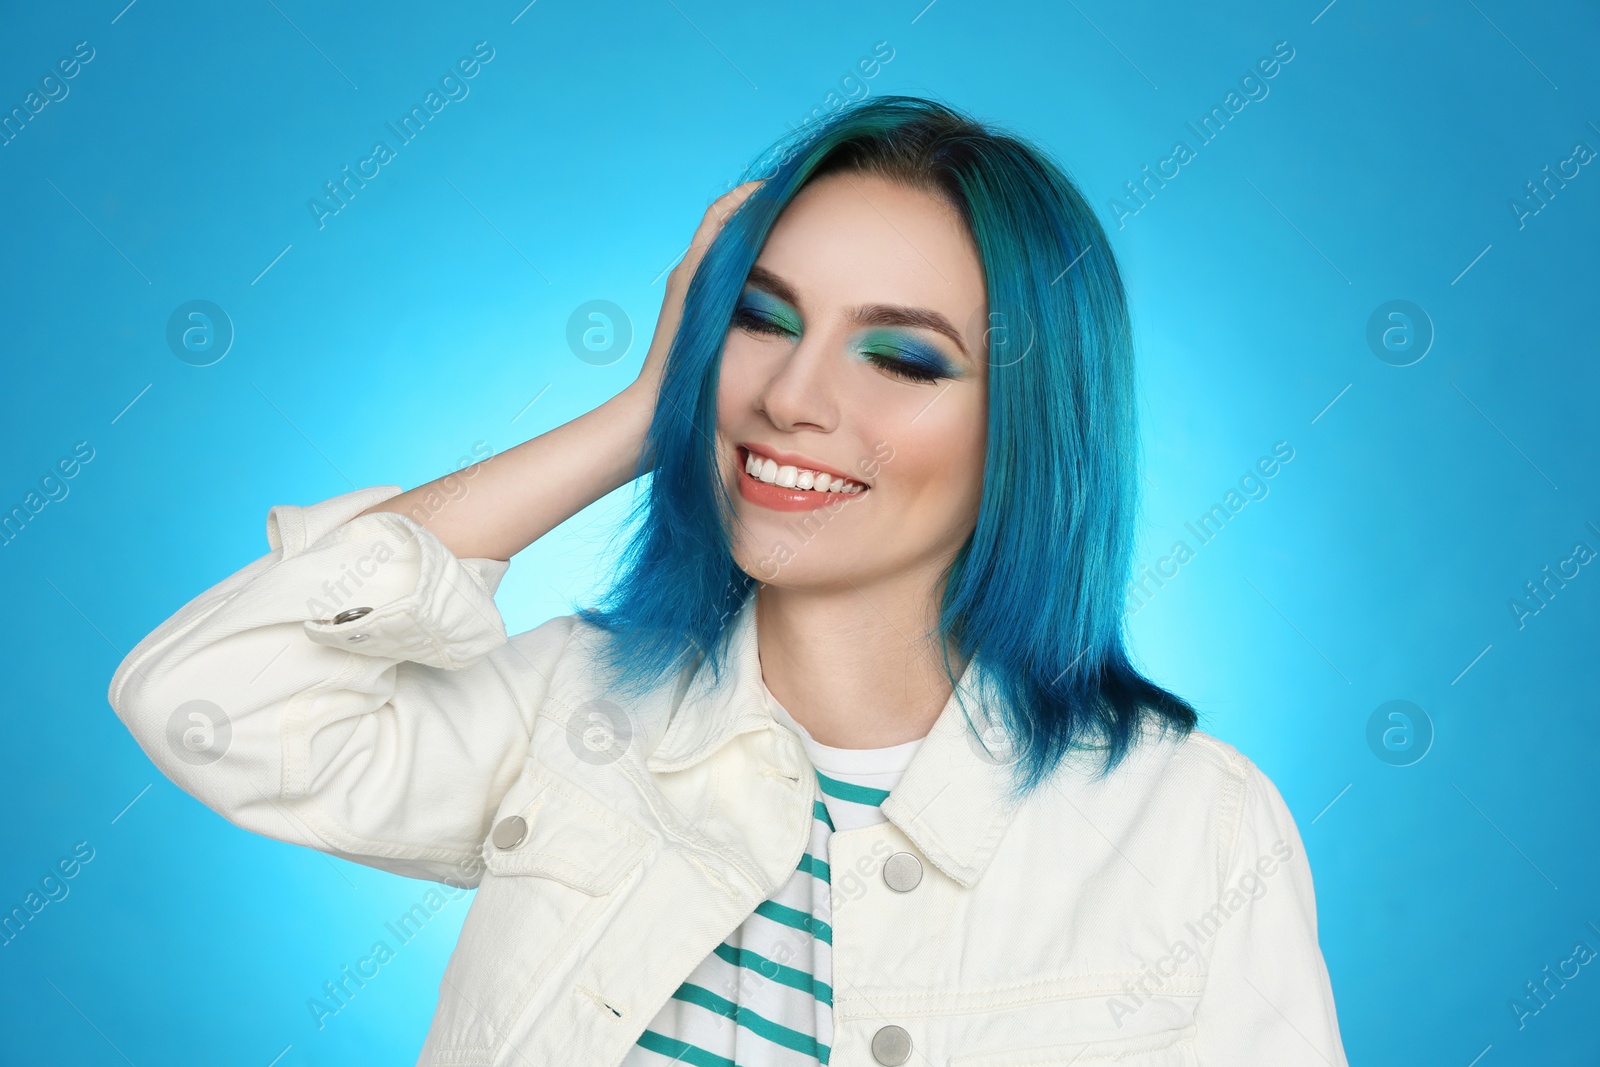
(429,316)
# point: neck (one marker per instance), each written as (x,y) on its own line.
(856,668)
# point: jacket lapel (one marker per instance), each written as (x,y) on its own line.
(951,802)
(710,714)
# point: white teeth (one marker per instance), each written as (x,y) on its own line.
(792,477)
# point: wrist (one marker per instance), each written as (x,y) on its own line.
(632,410)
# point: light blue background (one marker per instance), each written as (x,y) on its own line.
(429,313)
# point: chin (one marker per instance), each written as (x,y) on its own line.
(773,555)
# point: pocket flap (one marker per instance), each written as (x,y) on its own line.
(1168,1048)
(571,837)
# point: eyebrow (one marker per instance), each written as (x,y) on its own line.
(865,314)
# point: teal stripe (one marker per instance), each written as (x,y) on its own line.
(809,864)
(792,977)
(682,1051)
(759,1025)
(820,810)
(799,920)
(856,794)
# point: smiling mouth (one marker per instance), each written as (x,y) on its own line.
(782,487)
(771,472)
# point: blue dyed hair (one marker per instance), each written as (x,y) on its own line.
(1037,592)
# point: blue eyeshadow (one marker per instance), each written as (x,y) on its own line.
(769,309)
(906,349)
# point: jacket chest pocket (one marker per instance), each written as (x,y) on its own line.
(561,833)
(557,864)
(1173,1048)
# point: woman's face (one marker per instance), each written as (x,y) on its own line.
(857,349)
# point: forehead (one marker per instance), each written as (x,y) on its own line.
(849,239)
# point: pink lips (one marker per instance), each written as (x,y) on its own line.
(778,498)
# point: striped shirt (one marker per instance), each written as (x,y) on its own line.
(764,997)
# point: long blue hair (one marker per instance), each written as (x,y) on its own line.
(1037,592)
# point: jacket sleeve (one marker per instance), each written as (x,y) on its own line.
(1267,998)
(388,739)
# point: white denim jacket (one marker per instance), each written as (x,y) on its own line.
(1161,917)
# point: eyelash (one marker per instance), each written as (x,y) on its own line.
(752,320)
(749,319)
(901,369)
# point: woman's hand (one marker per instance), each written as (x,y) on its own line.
(649,380)
(519,495)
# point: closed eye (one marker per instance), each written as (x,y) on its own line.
(762,313)
(753,321)
(905,356)
(909,371)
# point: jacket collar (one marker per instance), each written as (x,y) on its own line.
(951,800)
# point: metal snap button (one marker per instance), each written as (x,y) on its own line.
(902,871)
(891,1046)
(510,832)
(348,615)
(356,637)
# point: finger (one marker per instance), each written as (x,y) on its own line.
(740,191)
(729,202)
(716,215)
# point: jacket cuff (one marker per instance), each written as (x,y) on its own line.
(424,605)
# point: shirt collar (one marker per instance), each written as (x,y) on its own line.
(951,802)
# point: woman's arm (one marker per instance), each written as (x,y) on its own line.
(516,497)
(353,690)
(388,739)
(501,505)
(1268,998)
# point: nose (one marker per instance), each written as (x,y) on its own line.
(803,392)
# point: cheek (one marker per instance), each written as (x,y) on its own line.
(937,466)
(737,382)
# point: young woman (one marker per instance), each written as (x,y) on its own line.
(851,765)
